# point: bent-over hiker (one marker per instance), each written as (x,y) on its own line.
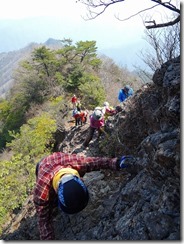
(59,184)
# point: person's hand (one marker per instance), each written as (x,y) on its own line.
(114,112)
(124,161)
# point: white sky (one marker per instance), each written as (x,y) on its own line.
(17,9)
(11,9)
(105,29)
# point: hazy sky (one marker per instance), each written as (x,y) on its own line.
(22,9)
(67,21)
(11,9)
(106,27)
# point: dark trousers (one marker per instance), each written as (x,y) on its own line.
(90,135)
(78,121)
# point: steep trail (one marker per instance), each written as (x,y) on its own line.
(138,203)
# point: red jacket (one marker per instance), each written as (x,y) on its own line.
(74,99)
(83,115)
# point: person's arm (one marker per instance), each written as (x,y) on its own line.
(111,111)
(123,96)
(119,96)
(130,92)
(44,220)
(100,123)
(87,164)
(42,206)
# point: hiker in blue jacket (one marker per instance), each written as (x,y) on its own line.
(124,93)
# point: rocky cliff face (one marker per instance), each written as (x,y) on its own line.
(141,202)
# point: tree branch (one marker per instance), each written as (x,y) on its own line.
(154,25)
(137,13)
(102,5)
(167,5)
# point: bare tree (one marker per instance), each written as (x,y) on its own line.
(98,7)
(164,43)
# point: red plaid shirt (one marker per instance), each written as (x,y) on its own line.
(44,194)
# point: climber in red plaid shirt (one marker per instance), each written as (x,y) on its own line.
(59,183)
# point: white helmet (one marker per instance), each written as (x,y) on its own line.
(106,104)
(98,108)
(97,114)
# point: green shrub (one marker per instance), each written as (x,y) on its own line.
(17,175)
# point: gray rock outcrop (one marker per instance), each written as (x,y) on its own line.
(141,202)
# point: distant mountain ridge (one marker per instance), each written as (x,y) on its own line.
(122,46)
(9,61)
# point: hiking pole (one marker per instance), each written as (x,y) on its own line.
(103,131)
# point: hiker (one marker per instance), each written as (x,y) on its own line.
(108,111)
(59,184)
(96,123)
(74,101)
(80,116)
(124,93)
(78,105)
(76,116)
(83,116)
